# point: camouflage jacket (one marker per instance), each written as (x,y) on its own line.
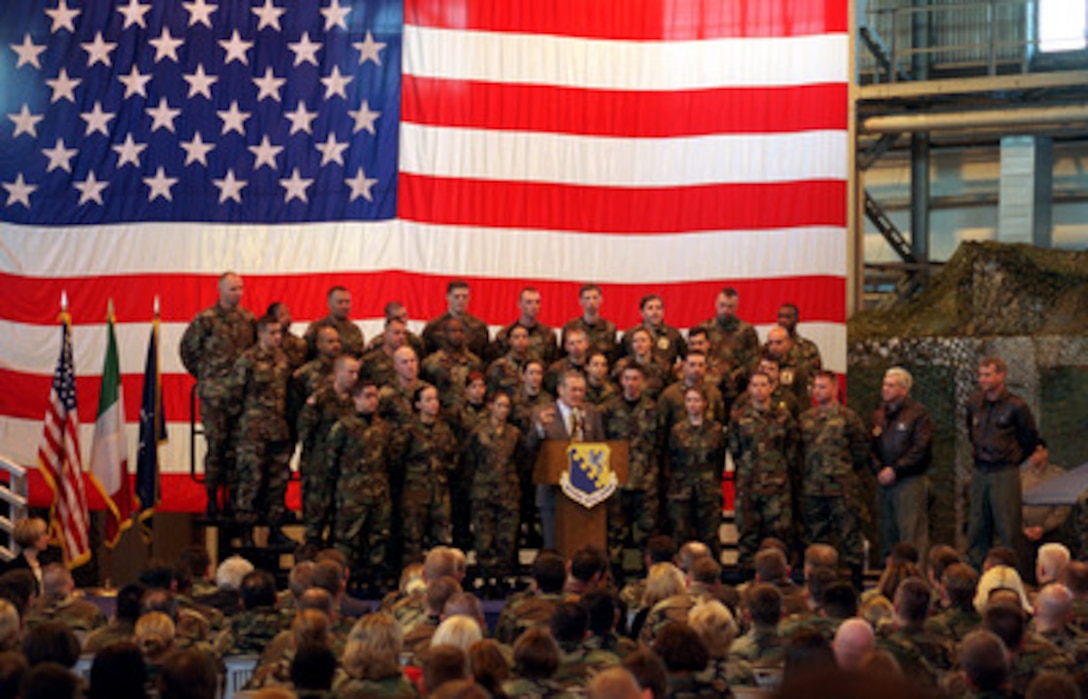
(211,344)
(601,335)
(395,403)
(447,371)
(696,453)
(602,393)
(351,337)
(253,629)
(113,632)
(836,447)
(410,611)
(490,463)
(556,370)
(295,348)
(525,688)
(954,624)
(635,424)
(764,445)
(520,615)
(477,336)
(377,366)
(668,610)
(734,343)
(76,614)
(358,449)
(578,662)
(504,374)
(762,647)
(724,673)
(1037,655)
(668,344)
(322,410)
(658,374)
(542,344)
(344,686)
(428,453)
(259,385)
(670,407)
(924,656)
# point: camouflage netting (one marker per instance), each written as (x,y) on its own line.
(1025,304)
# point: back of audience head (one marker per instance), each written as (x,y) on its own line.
(680,648)
(231,572)
(959,584)
(771,566)
(663,581)
(459,689)
(373,648)
(160,600)
(602,610)
(660,549)
(549,572)
(807,653)
(444,561)
(816,585)
(460,631)
(912,600)
(1054,605)
(649,670)
(328,575)
(56,581)
(938,559)
(318,599)
(188,674)
(195,559)
(51,642)
(311,626)
(690,552)
(1000,556)
(313,667)
(589,565)
(301,577)
(853,640)
(1007,622)
(118,672)
(129,601)
(705,571)
(411,579)
(19,587)
(50,680)
(614,683)
(1074,576)
(998,578)
(536,654)
(13,667)
(984,661)
(569,623)
(820,556)
(764,605)
(715,625)
(155,634)
(894,574)
(465,604)
(439,592)
(258,590)
(840,600)
(444,663)
(1052,558)
(1052,685)
(488,664)
(159,574)
(877,610)
(904,552)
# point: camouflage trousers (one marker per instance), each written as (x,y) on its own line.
(263,471)
(695,511)
(318,496)
(425,514)
(220,458)
(362,530)
(831,520)
(632,517)
(757,517)
(495,519)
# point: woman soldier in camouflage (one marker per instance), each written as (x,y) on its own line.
(696,455)
(429,454)
(491,458)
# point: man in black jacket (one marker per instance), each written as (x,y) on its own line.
(902,440)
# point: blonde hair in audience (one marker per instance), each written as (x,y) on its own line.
(27,531)
(373,648)
(10,629)
(715,625)
(155,634)
(459,631)
(663,581)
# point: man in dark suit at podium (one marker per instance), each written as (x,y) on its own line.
(570,419)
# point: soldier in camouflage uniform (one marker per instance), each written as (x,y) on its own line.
(793,373)
(807,351)
(395,400)
(358,451)
(599,387)
(258,385)
(253,628)
(294,347)
(59,604)
(717,374)
(763,441)
(836,447)
(476,332)
(472,413)
(656,371)
(377,363)
(504,374)
(490,461)
(576,346)
(695,457)
(925,656)
(211,344)
(666,342)
(960,617)
(732,341)
(529,400)
(426,457)
(448,368)
(534,607)
(328,404)
(670,404)
(351,337)
(632,510)
(600,332)
(395,310)
(541,337)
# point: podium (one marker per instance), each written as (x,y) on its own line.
(576,525)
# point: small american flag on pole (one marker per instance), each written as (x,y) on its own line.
(59,459)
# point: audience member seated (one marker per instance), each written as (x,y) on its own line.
(1053,615)
(119,672)
(664,582)
(614,683)
(439,591)
(762,645)
(984,666)
(13,667)
(854,639)
(717,629)
(50,680)
(310,627)
(603,609)
(188,674)
(155,639)
(489,666)
(1029,653)
(11,629)
(371,663)
(924,655)
(685,659)
(649,670)
(807,654)
(51,642)
(259,621)
(123,625)
(959,585)
(536,659)
(443,663)
(59,603)
(228,582)
(534,607)
(312,671)
(578,660)
(659,549)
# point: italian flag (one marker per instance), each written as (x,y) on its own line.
(109,462)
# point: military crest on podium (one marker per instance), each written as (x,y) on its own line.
(589,479)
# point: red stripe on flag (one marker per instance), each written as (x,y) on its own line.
(175,394)
(821,297)
(672,20)
(623,113)
(629,210)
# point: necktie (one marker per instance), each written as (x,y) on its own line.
(577,426)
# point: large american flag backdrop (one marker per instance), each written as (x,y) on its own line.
(669,146)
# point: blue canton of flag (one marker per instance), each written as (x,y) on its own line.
(185,110)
